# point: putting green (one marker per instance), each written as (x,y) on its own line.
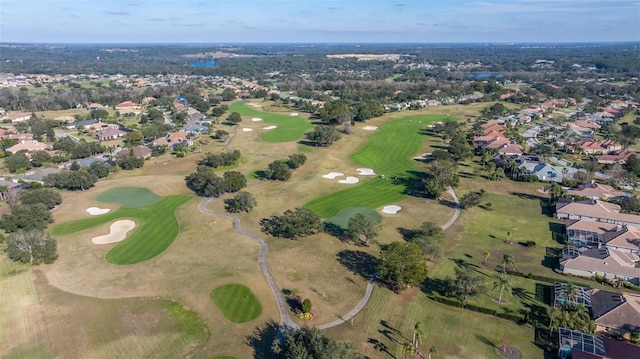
(390,153)
(290,128)
(342,218)
(157,229)
(236,302)
(129,197)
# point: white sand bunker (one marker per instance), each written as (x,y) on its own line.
(350,180)
(247,129)
(392,209)
(332,175)
(365,171)
(269,127)
(256,119)
(294,114)
(117,232)
(95,211)
(370,128)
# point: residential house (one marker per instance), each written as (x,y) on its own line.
(587,233)
(110,134)
(128,107)
(596,211)
(29,146)
(36,175)
(591,147)
(99,126)
(147,100)
(81,125)
(547,172)
(174,138)
(617,157)
(587,123)
(607,263)
(577,345)
(8,188)
(615,312)
(583,133)
(138,151)
(595,190)
(197,129)
(19,117)
(95,106)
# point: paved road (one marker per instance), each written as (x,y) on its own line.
(456,212)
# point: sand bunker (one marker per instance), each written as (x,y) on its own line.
(365,171)
(294,114)
(370,128)
(350,180)
(117,232)
(392,209)
(269,127)
(332,175)
(247,129)
(95,211)
(256,119)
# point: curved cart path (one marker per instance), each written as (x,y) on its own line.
(285,318)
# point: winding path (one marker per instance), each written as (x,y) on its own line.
(285,318)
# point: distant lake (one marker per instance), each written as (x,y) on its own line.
(482,75)
(203,64)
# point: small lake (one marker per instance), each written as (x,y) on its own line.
(482,75)
(203,64)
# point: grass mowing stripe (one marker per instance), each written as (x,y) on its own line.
(389,152)
(236,302)
(290,128)
(157,228)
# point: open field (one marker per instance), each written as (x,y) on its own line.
(157,224)
(237,302)
(389,153)
(39,321)
(289,128)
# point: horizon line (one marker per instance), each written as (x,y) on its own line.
(328,43)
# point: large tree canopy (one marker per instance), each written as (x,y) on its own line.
(34,246)
(402,265)
(293,224)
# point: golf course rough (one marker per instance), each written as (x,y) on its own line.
(236,302)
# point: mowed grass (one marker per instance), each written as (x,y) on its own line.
(390,152)
(342,218)
(156,229)
(236,302)
(290,128)
(129,197)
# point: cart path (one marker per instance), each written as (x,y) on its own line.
(285,318)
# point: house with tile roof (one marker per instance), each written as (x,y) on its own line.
(547,172)
(609,264)
(597,191)
(110,134)
(596,211)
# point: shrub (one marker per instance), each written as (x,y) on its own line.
(306,306)
(242,202)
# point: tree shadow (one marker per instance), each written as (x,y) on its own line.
(262,339)
(333,230)
(386,324)
(408,234)
(433,286)
(412,183)
(308,143)
(448,203)
(558,232)
(379,346)
(358,262)
(293,301)
(485,340)
(552,257)
(522,294)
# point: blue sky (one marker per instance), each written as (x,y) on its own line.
(224,21)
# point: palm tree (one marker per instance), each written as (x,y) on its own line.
(570,294)
(554,319)
(504,283)
(499,173)
(417,335)
(408,349)
(487,254)
(555,191)
(506,260)
(433,351)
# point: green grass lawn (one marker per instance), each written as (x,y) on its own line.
(290,128)
(156,229)
(389,152)
(236,302)
(129,197)
(342,218)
